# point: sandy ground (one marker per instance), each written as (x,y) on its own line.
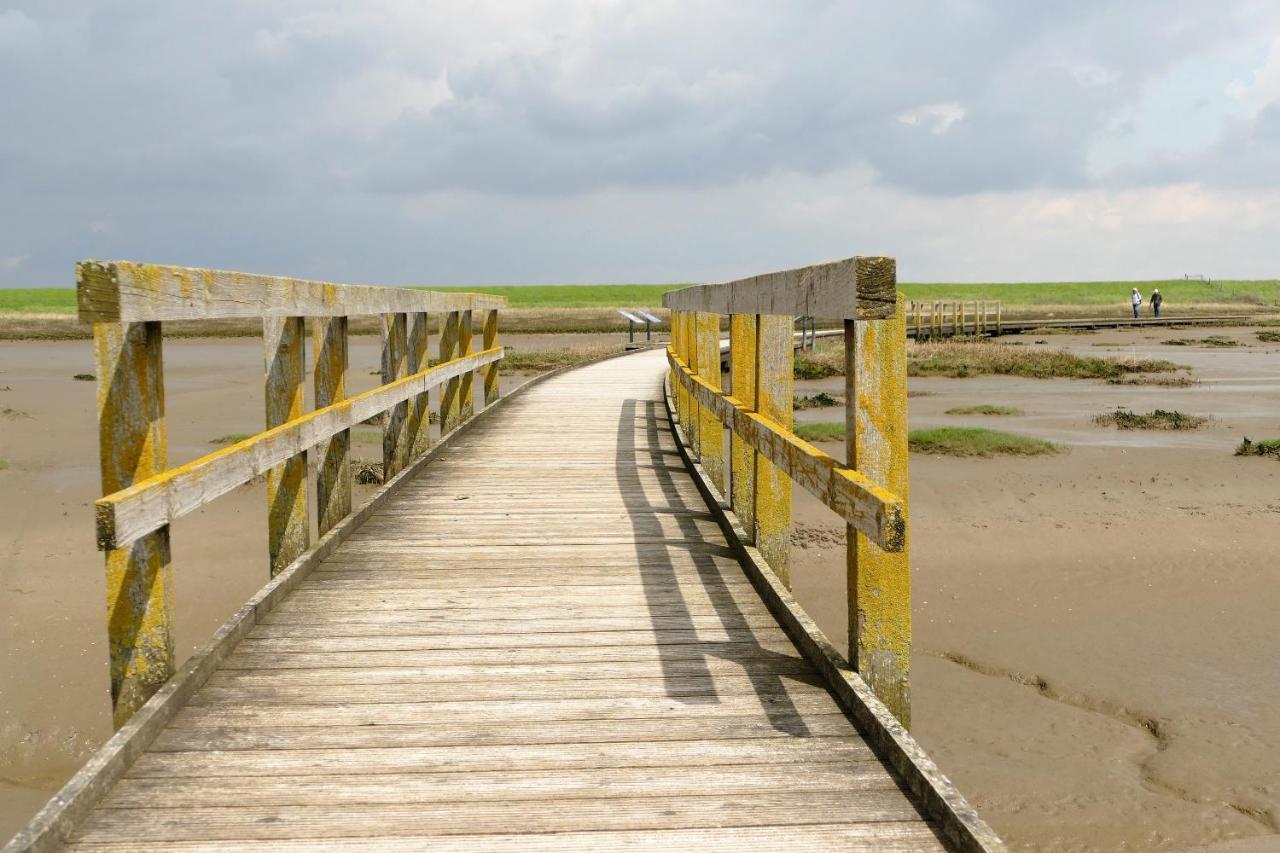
(1096,663)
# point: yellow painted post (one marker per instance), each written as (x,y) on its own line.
(742,385)
(133,447)
(937,320)
(999,320)
(694,429)
(955,319)
(288,531)
(775,385)
(466,385)
(879,583)
(395,425)
(333,476)
(919,320)
(686,353)
(449,403)
(710,430)
(419,359)
(489,341)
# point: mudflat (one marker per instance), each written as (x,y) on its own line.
(1096,660)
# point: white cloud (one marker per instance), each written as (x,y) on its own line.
(938,118)
(1264,86)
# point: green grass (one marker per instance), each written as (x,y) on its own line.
(1266,447)
(1177,292)
(819,363)
(975,441)
(1268,337)
(826,431)
(1211,341)
(542,360)
(985,409)
(232,438)
(4,463)
(961,360)
(1155,419)
(1160,381)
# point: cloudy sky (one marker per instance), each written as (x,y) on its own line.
(389,141)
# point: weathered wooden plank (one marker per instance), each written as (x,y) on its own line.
(333,474)
(288,528)
(419,359)
(871,508)
(614,782)
(849,288)
(450,402)
(883,837)
(511,758)
(879,581)
(489,340)
(133,447)
(346,624)
(395,423)
(123,291)
(446,819)
(742,456)
(710,430)
(125,515)
(278,638)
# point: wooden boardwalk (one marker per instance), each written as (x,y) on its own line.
(543,641)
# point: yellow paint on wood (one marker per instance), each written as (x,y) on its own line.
(489,340)
(879,582)
(710,431)
(742,385)
(449,402)
(395,424)
(466,382)
(774,390)
(419,358)
(132,447)
(333,474)
(288,531)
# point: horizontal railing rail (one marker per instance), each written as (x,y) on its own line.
(935,319)
(127,303)
(868,490)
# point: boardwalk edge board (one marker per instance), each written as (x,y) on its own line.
(930,788)
(54,824)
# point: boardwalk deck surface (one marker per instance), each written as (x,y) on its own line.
(542,642)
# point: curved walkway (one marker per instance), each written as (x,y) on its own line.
(542,642)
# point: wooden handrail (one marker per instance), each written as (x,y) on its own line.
(128,303)
(868,491)
(934,319)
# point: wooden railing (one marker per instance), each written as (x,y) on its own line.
(869,491)
(935,319)
(127,303)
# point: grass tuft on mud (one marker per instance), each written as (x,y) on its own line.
(961,360)
(366,472)
(1268,337)
(1267,447)
(1219,341)
(537,361)
(231,438)
(824,431)
(1160,381)
(4,463)
(1154,419)
(976,441)
(821,400)
(985,409)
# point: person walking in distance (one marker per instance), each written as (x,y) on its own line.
(1136,299)
(1156,301)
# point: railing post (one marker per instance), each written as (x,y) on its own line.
(466,387)
(133,446)
(742,385)
(710,430)
(489,341)
(678,346)
(775,381)
(879,582)
(333,475)
(449,402)
(999,319)
(419,359)
(693,345)
(395,425)
(288,531)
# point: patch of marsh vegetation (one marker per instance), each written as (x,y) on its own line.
(4,463)
(1219,341)
(985,409)
(821,400)
(976,441)
(960,360)
(824,431)
(1268,337)
(84,377)
(1267,447)
(1154,419)
(14,414)
(1061,330)
(366,472)
(538,361)
(231,438)
(1160,381)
